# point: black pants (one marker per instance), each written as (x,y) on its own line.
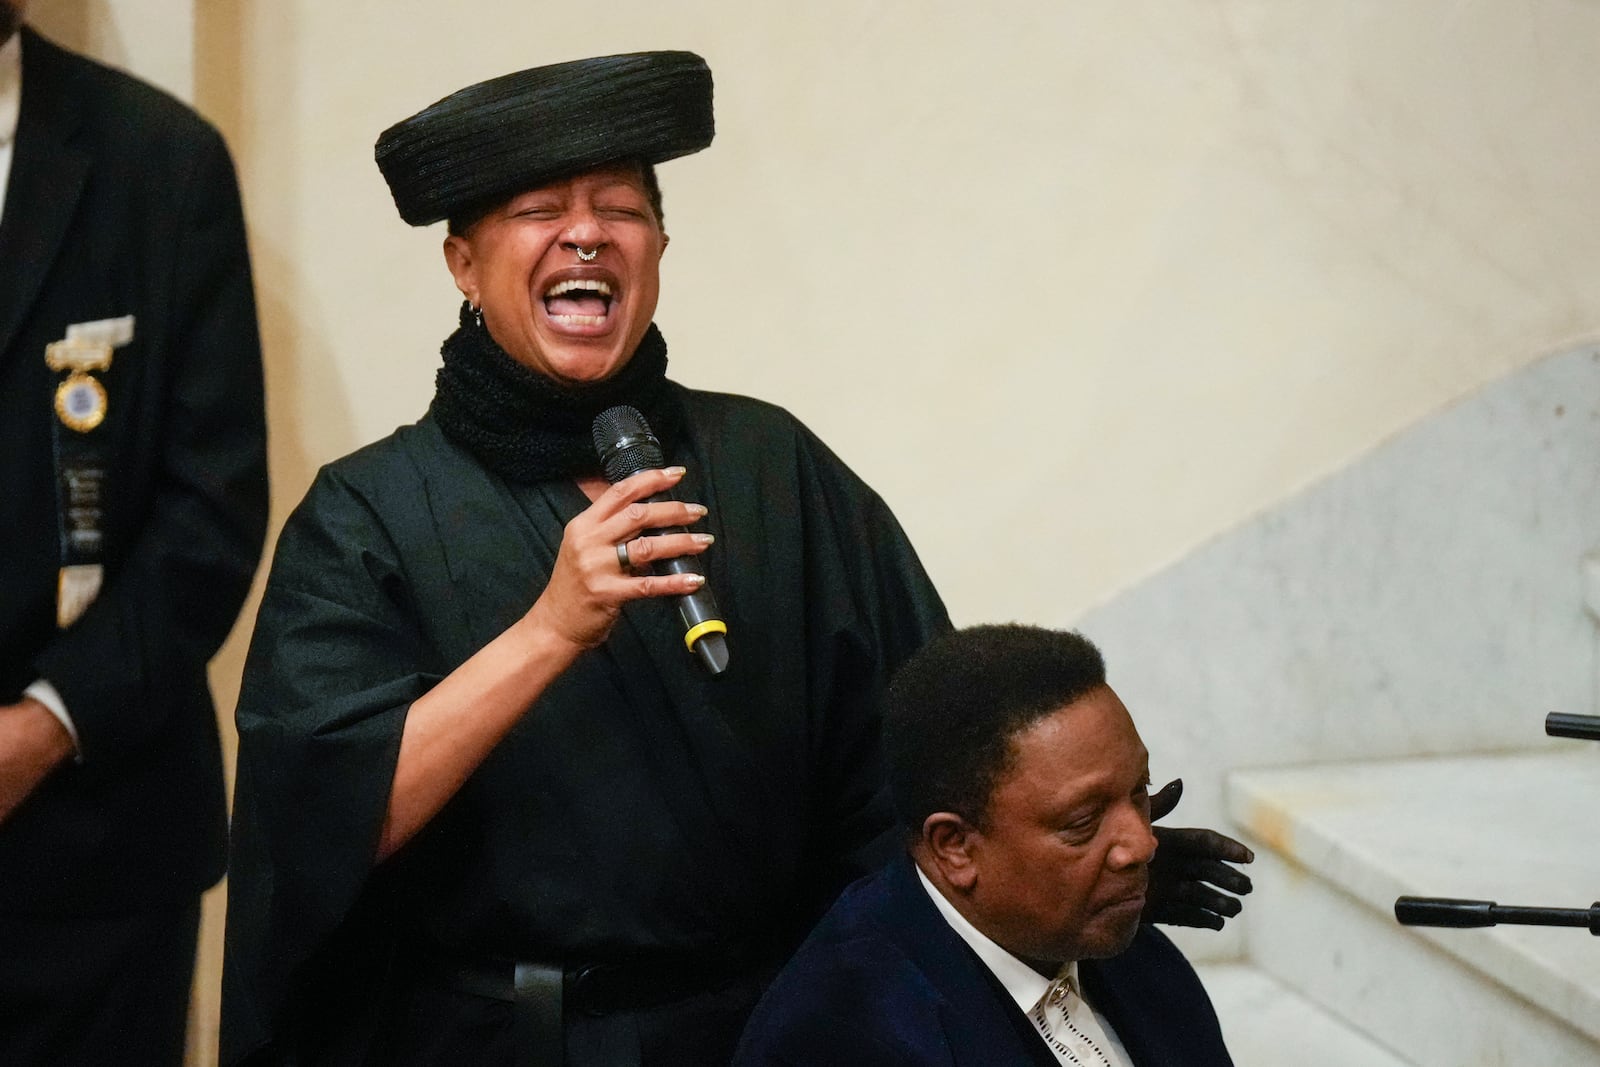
(96,991)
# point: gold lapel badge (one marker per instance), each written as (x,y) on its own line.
(80,399)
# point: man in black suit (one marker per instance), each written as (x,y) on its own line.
(1010,934)
(133,478)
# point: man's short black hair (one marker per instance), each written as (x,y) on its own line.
(464,219)
(955,706)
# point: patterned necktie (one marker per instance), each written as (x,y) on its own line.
(1054,1016)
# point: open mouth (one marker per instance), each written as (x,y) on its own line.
(578,302)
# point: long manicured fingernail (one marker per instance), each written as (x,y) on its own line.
(703,539)
(697,509)
(696,580)
(677,472)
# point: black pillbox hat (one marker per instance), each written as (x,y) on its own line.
(500,137)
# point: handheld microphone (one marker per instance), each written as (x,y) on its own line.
(625,445)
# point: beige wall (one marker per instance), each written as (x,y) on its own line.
(153,38)
(1076,286)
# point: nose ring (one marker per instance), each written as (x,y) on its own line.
(587,257)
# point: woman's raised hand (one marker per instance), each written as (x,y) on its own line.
(589,583)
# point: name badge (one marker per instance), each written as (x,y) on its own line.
(80,458)
(80,400)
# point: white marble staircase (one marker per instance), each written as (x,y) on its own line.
(1266,1024)
(1395,633)
(1336,844)
(1330,977)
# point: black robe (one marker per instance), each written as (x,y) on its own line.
(640,807)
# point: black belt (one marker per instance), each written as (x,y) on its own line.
(542,993)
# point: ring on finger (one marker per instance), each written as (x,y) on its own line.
(623,559)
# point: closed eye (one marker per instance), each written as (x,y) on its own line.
(1081,829)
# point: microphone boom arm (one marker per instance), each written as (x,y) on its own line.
(1450,912)
(1583,727)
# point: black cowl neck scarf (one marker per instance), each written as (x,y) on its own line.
(527,428)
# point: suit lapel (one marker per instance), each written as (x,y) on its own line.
(1155,1005)
(49,169)
(1107,989)
(981,1022)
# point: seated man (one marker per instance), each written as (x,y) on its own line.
(1010,934)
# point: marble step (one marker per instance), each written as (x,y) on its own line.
(1267,1024)
(1591,600)
(1337,843)
(1591,584)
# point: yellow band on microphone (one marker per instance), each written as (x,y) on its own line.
(710,626)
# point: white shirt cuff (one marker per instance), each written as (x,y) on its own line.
(46,694)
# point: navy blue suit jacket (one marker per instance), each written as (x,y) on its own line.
(884,981)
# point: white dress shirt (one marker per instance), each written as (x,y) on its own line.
(1075,1032)
(10,109)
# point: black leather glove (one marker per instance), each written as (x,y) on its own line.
(1190,878)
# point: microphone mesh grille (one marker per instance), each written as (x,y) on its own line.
(624,443)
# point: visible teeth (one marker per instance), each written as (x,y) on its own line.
(592,285)
(579,320)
